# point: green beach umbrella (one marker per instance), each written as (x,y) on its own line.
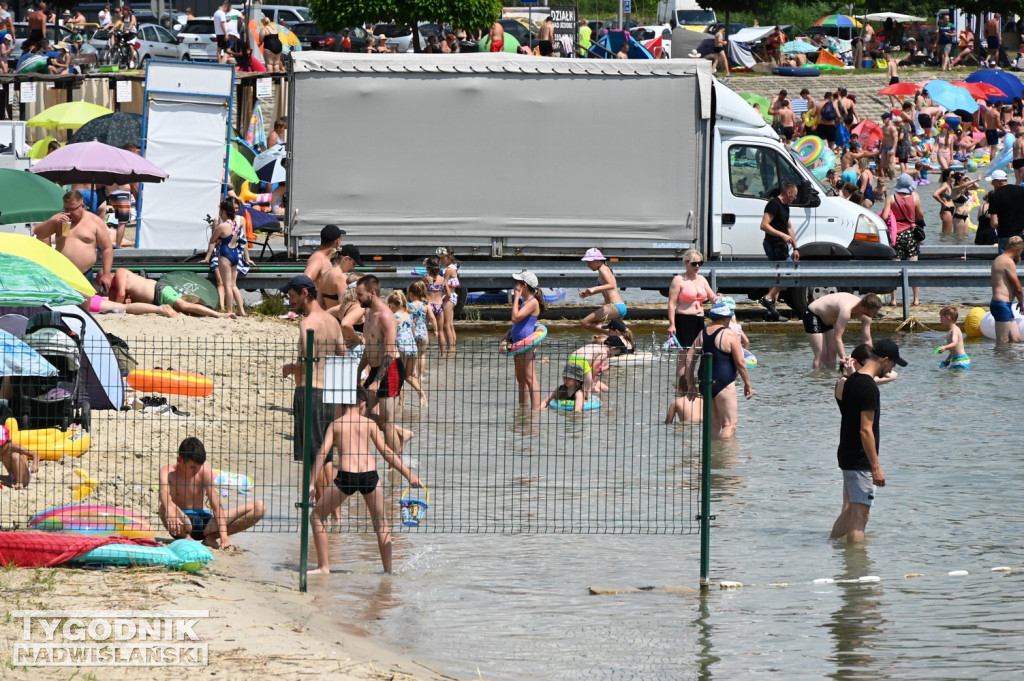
(41,148)
(238,165)
(192,284)
(24,283)
(753,98)
(27,197)
(511,44)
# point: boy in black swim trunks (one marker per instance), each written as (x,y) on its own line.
(182,486)
(351,434)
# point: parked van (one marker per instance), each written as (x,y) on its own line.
(686,13)
(282,14)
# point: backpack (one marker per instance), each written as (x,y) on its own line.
(828,112)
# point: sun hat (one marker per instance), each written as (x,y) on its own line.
(527,277)
(592,255)
(887,349)
(997,176)
(720,311)
(904,184)
(728,300)
(574,371)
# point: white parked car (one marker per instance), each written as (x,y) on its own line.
(153,41)
(644,34)
(199,39)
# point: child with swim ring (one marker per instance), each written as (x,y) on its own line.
(20,462)
(527,305)
(957,358)
(571,389)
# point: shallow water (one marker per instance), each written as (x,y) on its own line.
(517,606)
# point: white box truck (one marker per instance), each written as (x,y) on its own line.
(507,157)
(686,13)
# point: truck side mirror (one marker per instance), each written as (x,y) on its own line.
(807,196)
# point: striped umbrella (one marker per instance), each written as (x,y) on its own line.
(24,283)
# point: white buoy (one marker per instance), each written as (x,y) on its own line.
(1002,568)
(958,573)
(824,580)
(730,585)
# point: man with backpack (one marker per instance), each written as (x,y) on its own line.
(828,117)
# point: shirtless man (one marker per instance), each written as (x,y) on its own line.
(546,38)
(1005,287)
(886,160)
(320,261)
(787,119)
(992,121)
(182,487)
(497,37)
(351,435)
(1018,151)
(78,243)
(992,41)
(36,28)
(387,372)
(333,283)
(825,323)
(301,292)
(128,287)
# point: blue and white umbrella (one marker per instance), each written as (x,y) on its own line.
(18,359)
(950,97)
(799,47)
(269,165)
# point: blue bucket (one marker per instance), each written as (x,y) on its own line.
(413,510)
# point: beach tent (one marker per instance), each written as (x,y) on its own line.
(740,56)
(612,43)
(101,376)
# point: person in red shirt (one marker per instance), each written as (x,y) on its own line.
(346,41)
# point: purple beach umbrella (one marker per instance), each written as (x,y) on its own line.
(98,164)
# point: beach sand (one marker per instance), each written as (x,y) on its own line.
(256,628)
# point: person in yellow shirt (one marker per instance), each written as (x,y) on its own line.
(585,34)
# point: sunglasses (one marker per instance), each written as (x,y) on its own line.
(696,263)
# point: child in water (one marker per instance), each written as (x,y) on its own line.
(687,407)
(571,389)
(957,358)
(405,339)
(422,320)
(527,305)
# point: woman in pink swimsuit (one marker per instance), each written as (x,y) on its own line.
(686,297)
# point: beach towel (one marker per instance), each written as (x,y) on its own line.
(42,549)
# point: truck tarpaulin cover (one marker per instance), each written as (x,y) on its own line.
(462,146)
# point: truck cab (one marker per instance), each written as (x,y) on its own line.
(687,13)
(749,164)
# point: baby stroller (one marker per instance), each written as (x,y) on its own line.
(52,401)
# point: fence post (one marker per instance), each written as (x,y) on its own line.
(307,438)
(705,472)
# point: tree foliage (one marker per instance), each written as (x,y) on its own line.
(334,15)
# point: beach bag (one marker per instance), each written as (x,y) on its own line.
(125,362)
(828,112)
(892,228)
(918,233)
(842,135)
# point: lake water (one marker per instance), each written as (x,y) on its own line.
(518,606)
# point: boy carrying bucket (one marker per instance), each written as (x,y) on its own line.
(351,434)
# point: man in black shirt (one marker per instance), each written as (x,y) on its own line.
(779,235)
(1004,209)
(858,440)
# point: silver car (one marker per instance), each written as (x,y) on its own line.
(152,42)
(198,37)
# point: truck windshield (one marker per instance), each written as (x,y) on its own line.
(815,182)
(694,17)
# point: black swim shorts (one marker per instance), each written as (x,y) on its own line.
(814,324)
(349,483)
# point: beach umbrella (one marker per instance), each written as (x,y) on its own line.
(270,166)
(116,129)
(950,96)
(753,98)
(24,246)
(67,116)
(980,90)
(867,133)
(24,283)
(895,16)
(238,165)
(799,47)
(97,164)
(41,148)
(900,90)
(25,197)
(244,149)
(1007,82)
(18,359)
(289,41)
(838,21)
(511,44)
(192,284)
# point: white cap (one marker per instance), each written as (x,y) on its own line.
(996,175)
(527,277)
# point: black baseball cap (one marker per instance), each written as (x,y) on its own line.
(330,233)
(615,342)
(352,252)
(299,282)
(887,349)
(616,325)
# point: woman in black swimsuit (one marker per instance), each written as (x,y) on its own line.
(272,47)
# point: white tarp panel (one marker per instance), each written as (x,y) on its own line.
(186,130)
(751,34)
(418,148)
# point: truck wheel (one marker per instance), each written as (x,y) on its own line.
(799,298)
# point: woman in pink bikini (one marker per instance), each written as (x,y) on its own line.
(686,297)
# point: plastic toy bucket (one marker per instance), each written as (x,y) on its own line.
(413,510)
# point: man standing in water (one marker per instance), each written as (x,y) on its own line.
(1005,287)
(825,323)
(387,373)
(858,441)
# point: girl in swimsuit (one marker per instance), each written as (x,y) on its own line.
(686,297)
(450,272)
(962,185)
(437,294)
(613,307)
(225,239)
(944,195)
(350,315)
(422,317)
(527,305)
(944,147)
(405,339)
